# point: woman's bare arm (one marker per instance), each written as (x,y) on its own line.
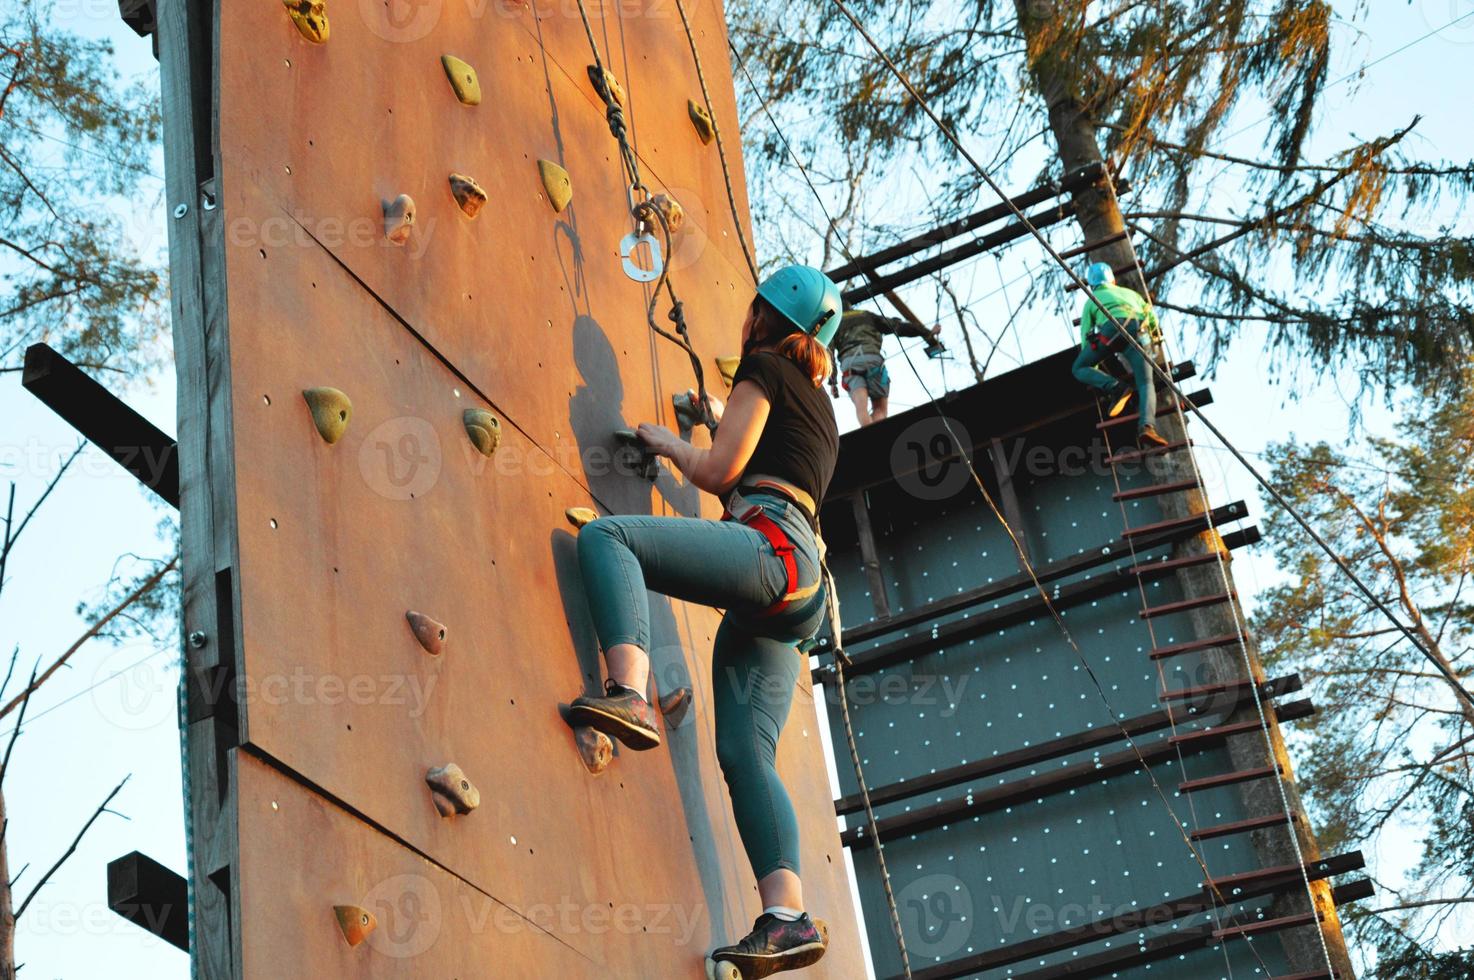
(716,470)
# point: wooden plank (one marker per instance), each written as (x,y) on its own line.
(1243,826)
(1132,455)
(1302,709)
(1185,605)
(1227,779)
(1194,646)
(865,535)
(1267,925)
(150,896)
(1155,490)
(1201,398)
(1008,499)
(1235,511)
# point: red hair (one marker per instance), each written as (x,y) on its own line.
(801,348)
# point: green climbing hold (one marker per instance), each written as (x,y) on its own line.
(311,18)
(462,79)
(331,411)
(701,119)
(484,429)
(556,183)
(468,194)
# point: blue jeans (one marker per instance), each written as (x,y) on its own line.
(755,662)
(1087,371)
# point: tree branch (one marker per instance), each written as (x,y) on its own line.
(101,809)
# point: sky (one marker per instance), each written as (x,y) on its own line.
(112,713)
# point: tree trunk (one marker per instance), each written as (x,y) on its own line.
(1051,35)
(7,914)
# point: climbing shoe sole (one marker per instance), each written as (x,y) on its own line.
(629,734)
(756,967)
(1119,405)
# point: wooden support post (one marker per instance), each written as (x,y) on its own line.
(866,536)
(150,896)
(109,423)
(1008,499)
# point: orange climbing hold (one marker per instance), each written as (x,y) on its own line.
(311,18)
(463,80)
(484,428)
(451,791)
(671,210)
(430,634)
(355,922)
(701,119)
(556,183)
(468,194)
(399,219)
(331,411)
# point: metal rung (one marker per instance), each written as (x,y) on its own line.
(1268,925)
(1226,779)
(1177,649)
(1172,564)
(1243,826)
(1131,455)
(1187,604)
(1155,490)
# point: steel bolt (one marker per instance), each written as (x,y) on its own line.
(181,210)
(198,639)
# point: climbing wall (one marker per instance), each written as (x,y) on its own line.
(402,599)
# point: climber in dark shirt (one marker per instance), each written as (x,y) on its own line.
(858,344)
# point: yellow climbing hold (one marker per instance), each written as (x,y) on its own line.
(556,183)
(701,119)
(468,194)
(727,368)
(462,79)
(331,411)
(616,90)
(580,516)
(484,429)
(399,219)
(430,634)
(671,210)
(311,18)
(451,791)
(355,922)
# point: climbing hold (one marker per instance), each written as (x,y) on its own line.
(399,218)
(727,368)
(580,516)
(649,463)
(468,194)
(430,633)
(611,84)
(451,791)
(671,209)
(701,119)
(594,747)
(675,705)
(311,18)
(462,79)
(331,411)
(484,429)
(556,183)
(688,416)
(355,922)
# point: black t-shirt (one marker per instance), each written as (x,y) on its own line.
(800,442)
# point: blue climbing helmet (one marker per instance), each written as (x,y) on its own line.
(805,297)
(1099,274)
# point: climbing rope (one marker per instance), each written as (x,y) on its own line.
(1028,567)
(717,132)
(646,214)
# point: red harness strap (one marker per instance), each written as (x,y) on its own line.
(768,528)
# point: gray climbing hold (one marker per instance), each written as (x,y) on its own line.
(468,194)
(451,791)
(399,219)
(484,428)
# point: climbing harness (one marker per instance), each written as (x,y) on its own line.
(647,215)
(740,509)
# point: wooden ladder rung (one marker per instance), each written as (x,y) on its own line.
(1226,779)
(1243,826)
(1155,490)
(1131,455)
(1171,564)
(1187,604)
(1321,975)
(1218,731)
(1206,690)
(1268,925)
(1168,406)
(1208,643)
(1174,524)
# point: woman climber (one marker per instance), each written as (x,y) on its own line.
(1099,340)
(770,461)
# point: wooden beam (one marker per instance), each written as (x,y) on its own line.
(150,896)
(105,420)
(1008,498)
(868,556)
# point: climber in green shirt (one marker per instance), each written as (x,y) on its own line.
(858,346)
(1099,340)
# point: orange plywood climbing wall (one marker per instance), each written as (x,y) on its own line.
(523,312)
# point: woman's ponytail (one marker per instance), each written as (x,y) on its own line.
(806,351)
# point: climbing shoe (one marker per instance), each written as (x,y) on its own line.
(1119,399)
(1148,438)
(774,945)
(621,714)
